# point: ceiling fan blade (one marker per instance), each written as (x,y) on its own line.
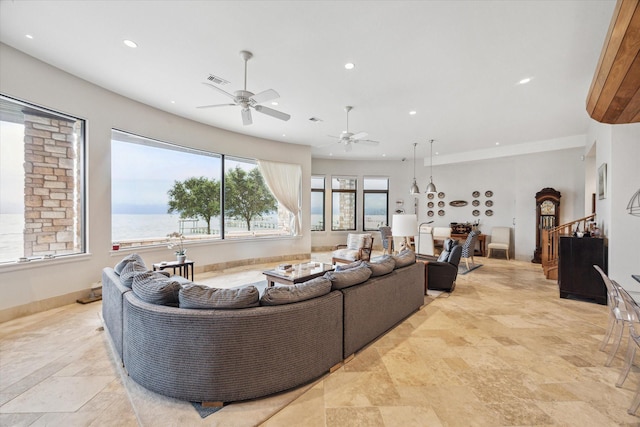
(220,90)
(366,142)
(246,116)
(217,105)
(273,113)
(359,135)
(264,96)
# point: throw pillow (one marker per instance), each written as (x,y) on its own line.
(346,278)
(285,294)
(381,265)
(404,258)
(129,271)
(348,266)
(203,297)
(156,288)
(126,260)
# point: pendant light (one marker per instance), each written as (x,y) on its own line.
(431,188)
(414,187)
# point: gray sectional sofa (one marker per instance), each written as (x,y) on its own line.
(225,355)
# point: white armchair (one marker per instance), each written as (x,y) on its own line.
(358,247)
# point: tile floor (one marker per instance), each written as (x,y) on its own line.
(501,350)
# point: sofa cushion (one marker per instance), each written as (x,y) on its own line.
(156,288)
(127,260)
(286,294)
(349,266)
(129,271)
(350,277)
(203,297)
(405,258)
(381,265)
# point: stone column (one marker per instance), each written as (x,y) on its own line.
(51,186)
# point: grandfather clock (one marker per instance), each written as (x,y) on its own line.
(547,217)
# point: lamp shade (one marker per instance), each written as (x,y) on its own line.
(404,225)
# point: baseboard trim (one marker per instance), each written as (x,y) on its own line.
(41,305)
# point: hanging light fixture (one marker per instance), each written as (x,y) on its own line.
(431,188)
(634,204)
(414,187)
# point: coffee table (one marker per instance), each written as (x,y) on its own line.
(182,267)
(299,273)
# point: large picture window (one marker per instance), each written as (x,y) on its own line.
(160,188)
(376,203)
(41,182)
(317,203)
(343,201)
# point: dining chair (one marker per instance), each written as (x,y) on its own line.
(634,342)
(500,240)
(469,247)
(618,316)
(425,245)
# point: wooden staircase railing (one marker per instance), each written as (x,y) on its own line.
(551,242)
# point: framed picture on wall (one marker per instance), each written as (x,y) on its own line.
(602,181)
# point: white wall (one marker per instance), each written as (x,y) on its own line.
(514,182)
(26,78)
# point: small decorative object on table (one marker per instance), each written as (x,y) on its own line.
(176,240)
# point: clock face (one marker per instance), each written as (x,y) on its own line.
(547,208)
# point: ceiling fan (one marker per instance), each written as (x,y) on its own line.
(248,100)
(349,138)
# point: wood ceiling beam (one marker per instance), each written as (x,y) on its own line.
(614,96)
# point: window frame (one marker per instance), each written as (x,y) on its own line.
(322,191)
(364,200)
(353,191)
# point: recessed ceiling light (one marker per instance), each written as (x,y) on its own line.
(274,103)
(284,134)
(437,153)
(497,143)
(130,43)
(349,65)
(384,155)
(412,113)
(524,81)
(29,36)
(331,154)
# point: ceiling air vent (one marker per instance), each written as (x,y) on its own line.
(315,119)
(217,80)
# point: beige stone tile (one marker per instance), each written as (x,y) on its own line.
(362,417)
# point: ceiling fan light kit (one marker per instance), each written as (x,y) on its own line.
(431,188)
(248,100)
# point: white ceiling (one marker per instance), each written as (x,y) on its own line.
(456,63)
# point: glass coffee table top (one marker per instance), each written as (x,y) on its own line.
(298,273)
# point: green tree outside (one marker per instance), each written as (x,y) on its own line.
(196,198)
(246,196)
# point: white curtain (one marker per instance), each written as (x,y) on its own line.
(285,181)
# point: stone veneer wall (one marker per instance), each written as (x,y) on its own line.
(51,194)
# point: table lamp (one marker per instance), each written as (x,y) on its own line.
(404,226)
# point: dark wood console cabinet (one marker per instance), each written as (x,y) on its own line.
(576,275)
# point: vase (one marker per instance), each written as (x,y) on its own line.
(181,258)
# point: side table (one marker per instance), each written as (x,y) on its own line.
(182,267)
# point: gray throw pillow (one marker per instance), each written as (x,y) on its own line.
(129,271)
(156,288)
(204,297)
(286,294)
(405,258)
(127,260)
(381,265)
(346,278)
(349,266)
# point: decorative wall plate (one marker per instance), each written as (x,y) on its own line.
(488,203)
(399,211)
(476,194)
(441,204)
(488,212)
(476,212)
(458,203)
(430,213)
(476,203)
(441,212)
(488,193)
(430,196)
(441,195)
(430,205)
